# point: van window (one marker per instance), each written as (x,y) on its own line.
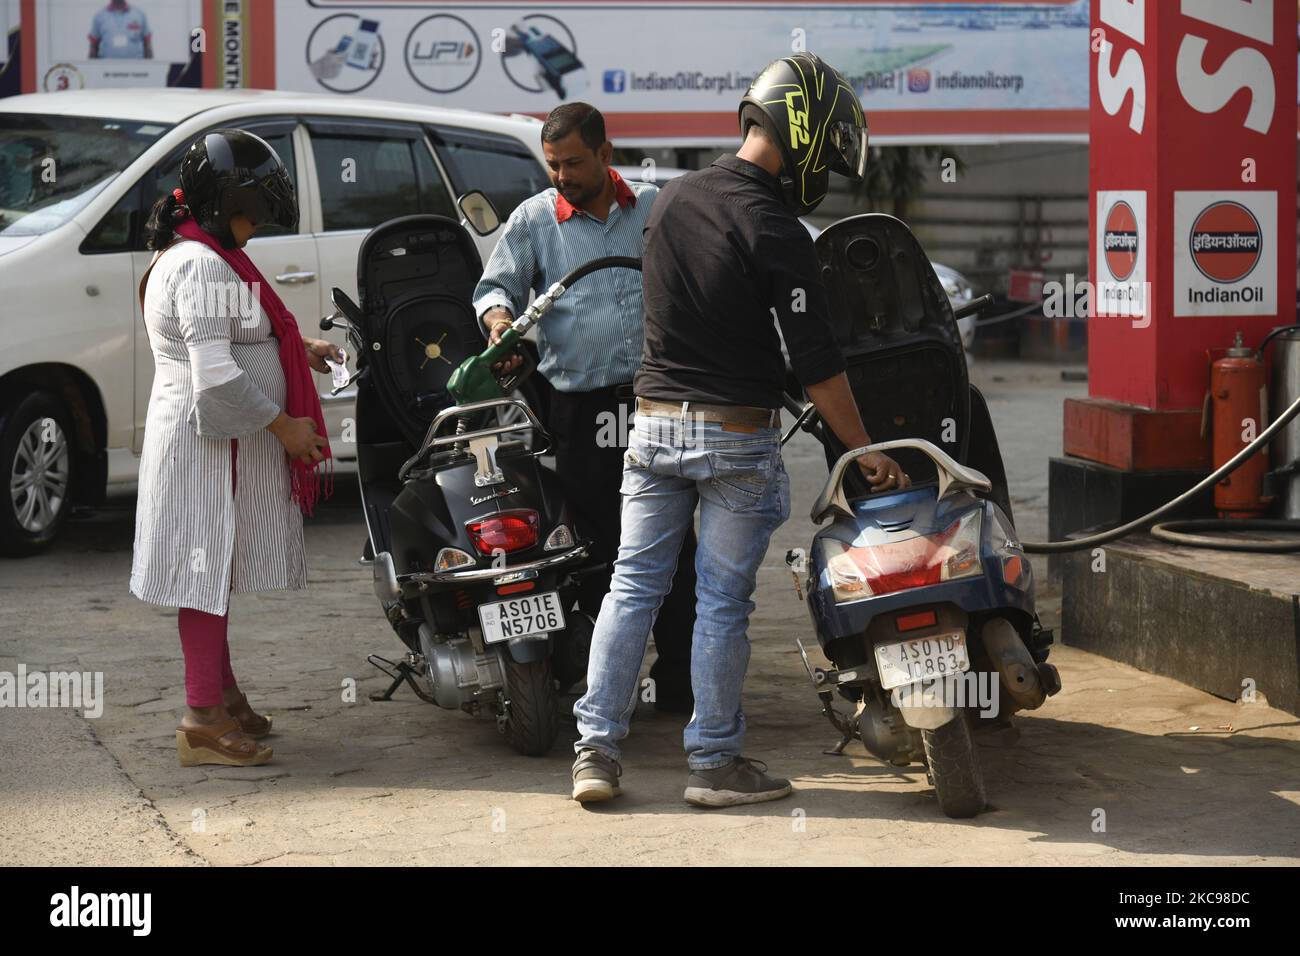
(499,165)
(120,228)
(52,166)
(366,180)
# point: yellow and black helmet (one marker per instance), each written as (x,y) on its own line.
(810,110)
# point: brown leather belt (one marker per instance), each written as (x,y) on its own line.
(737,416)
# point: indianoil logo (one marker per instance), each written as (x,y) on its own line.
(1120,240)
(1226,242)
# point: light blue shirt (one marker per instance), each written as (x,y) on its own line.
(593,336)
(121,33)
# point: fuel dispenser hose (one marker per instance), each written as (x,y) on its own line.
(1174,531)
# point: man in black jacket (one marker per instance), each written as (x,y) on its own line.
(725,252)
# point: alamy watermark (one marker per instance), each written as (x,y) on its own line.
(1080,299)
(79,689)
(967,689)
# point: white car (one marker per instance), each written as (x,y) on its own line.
(955,285)
(79,172)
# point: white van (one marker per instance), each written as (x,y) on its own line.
(79,172)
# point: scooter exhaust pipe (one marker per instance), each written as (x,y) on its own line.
(1020,675)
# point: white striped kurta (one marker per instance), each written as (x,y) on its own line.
(217,376)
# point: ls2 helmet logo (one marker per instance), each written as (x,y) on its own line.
(1225,254)
(1120,241)
(797,112)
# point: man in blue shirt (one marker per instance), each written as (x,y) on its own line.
(120,31)
(590,346)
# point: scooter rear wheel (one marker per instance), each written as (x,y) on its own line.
(954,767)
(533,721)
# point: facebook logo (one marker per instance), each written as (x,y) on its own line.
(615,81)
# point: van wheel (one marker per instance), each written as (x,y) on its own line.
(954,767)
(36,463)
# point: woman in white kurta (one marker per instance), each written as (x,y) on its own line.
(215,514)
(196,542)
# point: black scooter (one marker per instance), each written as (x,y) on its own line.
(475,559)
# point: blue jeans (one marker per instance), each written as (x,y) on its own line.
(743,493)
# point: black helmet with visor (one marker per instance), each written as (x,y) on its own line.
(227,172)
(811,112)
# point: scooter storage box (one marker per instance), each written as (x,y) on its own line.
(900,340)
(416,278)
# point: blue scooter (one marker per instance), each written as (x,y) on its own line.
(922,599)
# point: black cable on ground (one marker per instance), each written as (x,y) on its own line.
(1138,524)
(1177,532)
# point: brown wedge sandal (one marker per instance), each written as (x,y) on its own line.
(222,743)
(250,722)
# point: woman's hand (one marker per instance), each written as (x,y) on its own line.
(299,437)
(317,350)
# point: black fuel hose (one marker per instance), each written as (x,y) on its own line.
(1179,532)
(1169,532)
(605,262)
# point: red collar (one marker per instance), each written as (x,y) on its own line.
(623,195)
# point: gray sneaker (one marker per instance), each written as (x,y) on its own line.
(741,781)
(595,777)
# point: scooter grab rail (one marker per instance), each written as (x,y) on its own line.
(432,439)
(953,476)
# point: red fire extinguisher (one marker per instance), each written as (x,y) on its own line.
(1238,407)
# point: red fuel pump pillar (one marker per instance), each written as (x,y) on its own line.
(1192,156)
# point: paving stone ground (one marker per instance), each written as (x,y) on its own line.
(1177,776)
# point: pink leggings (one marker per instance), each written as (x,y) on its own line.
(203,642)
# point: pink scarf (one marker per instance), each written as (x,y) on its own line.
(301,398)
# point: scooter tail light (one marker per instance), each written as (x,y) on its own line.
(449,559)
(506,532)
(847,580)
(912,562)
(963,560)
(561,537)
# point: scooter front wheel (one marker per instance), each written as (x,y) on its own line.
(954,767)
(532,718)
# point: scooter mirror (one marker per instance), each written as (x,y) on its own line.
(480,215)
(345,306)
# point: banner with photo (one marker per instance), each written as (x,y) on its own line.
(11,45)
(925,69)
(89,44)
(676,70)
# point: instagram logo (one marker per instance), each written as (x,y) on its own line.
(918,80)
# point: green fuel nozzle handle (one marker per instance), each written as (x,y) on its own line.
(474,381)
